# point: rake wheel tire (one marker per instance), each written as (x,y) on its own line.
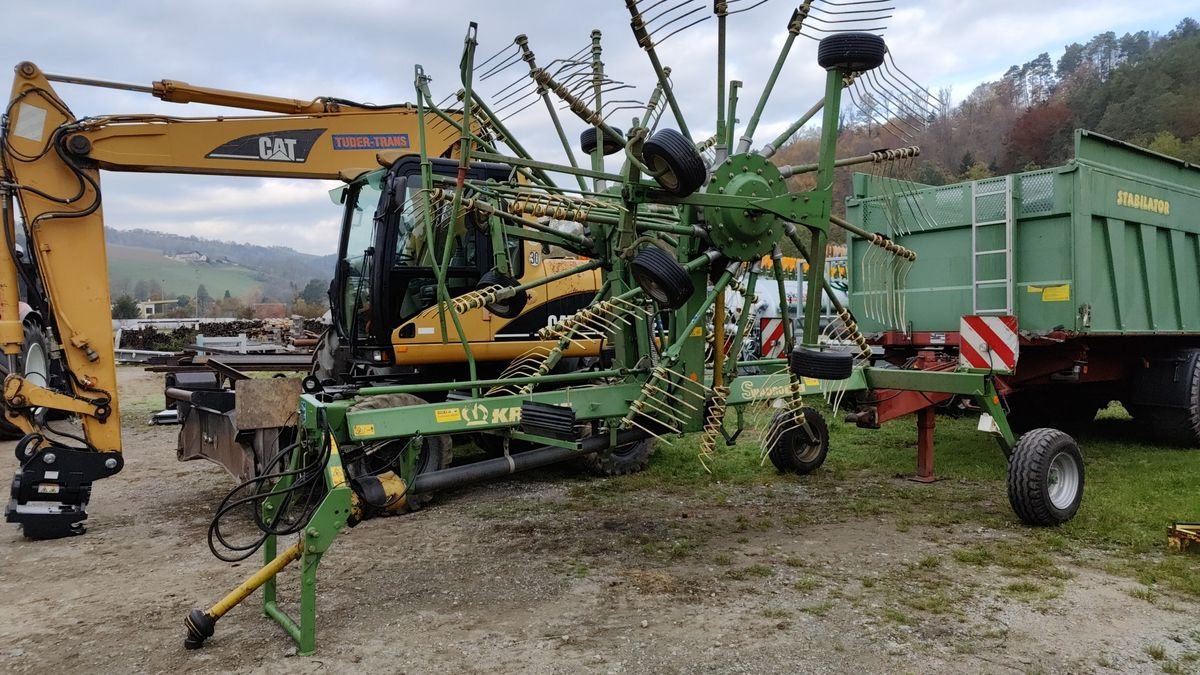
(677,165)
(662,277)
(622,460)
(612,144)
(793,451)
(436,451)
(509,308)
(851,52)
(1045,478)
(823,365)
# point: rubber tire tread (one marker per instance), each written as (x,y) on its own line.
(510,308)
(786,460)
(826,365)
(1028,467)
(1177,426)
(680,154)
(855,52)
(608,463)
(587,142)
(668,274)
(441,446)
(33,332)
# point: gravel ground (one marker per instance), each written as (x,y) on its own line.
(547,574)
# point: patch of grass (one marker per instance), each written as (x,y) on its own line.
(775,613)
(807,584)
(1156,651)
(929,562)
(1020,558)
(937,602)
(751,572)
(1142,593)
(1029,591)
(819,609)
(896,616)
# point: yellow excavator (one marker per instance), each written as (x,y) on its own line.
(385,324)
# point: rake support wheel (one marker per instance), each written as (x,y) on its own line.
(509,308)
(662,277)
(675,162)
(851,52)
(612,144)
(823,365)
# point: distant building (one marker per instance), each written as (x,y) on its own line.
(269,310)
(189,256)
(153,308)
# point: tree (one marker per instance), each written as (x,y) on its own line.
(126,308)
(203,300)
(182,301)
(314,292)
(141,290)
(227,294)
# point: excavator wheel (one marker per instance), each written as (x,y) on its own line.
(436,451)
(34,363)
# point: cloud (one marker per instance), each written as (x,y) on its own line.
(366,51)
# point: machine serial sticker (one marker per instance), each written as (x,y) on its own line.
(48,489)
(1060,293)
(364,430)
(445,415)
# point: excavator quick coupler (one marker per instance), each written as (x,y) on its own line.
(50,491)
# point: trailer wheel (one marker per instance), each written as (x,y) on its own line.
(509,308)
(436,451)
(1045,478)
(661,277)
(612,144)
(793,451)
(621,460)
(823,365)
(1179,424)
(853,52)
(34,364)
(677,165)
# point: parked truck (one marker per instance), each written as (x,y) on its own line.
(1098,260)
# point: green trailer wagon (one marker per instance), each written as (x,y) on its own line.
(1098,259)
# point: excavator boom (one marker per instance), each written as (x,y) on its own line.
(50,168)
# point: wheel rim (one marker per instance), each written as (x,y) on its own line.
(1063,480)
(37,366)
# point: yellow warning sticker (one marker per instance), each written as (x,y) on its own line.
(697,331)
(445,415)
(812,382)
(337,476)
(364,430)
(1061,293)
(1035,289)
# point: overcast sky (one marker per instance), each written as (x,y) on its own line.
(365,51)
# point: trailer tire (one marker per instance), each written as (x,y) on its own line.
(852,52)
(1177,425)
(823,365)
(622,460)
(612,144)
(33,362)
(792,452)
(1045,478)
(677,166)
(661,277)
(436,451)
(509,308)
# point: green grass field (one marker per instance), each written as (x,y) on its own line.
(1133,491)
(128,264)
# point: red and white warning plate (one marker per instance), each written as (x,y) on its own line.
(771,332)
(988,343)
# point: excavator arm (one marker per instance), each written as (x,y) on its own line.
(50,170)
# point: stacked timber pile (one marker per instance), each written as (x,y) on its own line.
(281,332)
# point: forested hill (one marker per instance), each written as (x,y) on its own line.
(278,262)
(1139,87)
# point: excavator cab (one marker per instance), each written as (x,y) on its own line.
(384,292)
